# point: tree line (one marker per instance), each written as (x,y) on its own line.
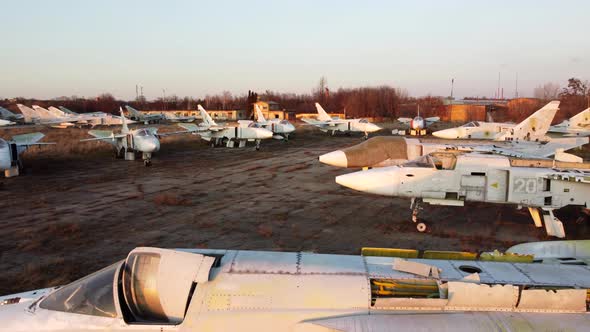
(379,101)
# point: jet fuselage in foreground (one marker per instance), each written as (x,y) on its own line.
(232,290)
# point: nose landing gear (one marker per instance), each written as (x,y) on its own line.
(416,207)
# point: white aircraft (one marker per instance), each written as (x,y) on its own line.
(381,151)
(452,178)
(210,131)
(8,115)
(281,128)
(327,124)
(129,142)
(533,128)
(31,116)
(10,152)
(417,125)
(177,118)
(6,123)
(142,117)
(577,125)
(383,289)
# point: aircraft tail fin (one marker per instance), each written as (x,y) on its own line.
(259,115)
(67,111)
(322,115)
(6,113)
(581,119)
(43,113)
(28,113)
(133,111)
(535,126)
(207,120)
(124,127)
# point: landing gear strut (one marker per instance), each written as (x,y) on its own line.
(416,207)
(366,137)
(257,145)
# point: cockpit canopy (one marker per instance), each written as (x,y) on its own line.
(363,121)
(253,125)
(471,124)
(284,122)
(438,160)
(153,286)
(142,133)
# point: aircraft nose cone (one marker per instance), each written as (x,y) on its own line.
(446,133)
(263,133)
(289,128)
(375,181)
(373,128)
(152,145)
(335,158)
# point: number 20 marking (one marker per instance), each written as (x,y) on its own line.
(524,185)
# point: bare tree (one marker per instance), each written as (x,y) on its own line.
(547,91)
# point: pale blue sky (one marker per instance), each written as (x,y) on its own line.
(73,47)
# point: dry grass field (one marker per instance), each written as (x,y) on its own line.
(77,209)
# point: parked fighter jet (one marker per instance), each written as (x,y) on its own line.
(128,142)
(8,115)
(6,123)
(533,128)
(10,151)
(177,118)
(142,117)
(31,116)
(327,124)
(451,178)
(93,118)
(382,289)
(577,125)
(381,151)
(210,131)
(417,125)
(281,128)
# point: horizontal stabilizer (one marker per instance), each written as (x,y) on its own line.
(27,139)
(404,120)
(432,119)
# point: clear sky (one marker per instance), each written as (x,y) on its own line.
(75,47)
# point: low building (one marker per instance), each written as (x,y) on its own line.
(273,110)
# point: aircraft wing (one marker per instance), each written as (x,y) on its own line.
(578,134)
(29,139)
(432,119)
(193,128)
(533,149)
(404,120)
(103,135)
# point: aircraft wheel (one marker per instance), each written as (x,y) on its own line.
(421,227)
(212,144)
(147,163)
(257,147)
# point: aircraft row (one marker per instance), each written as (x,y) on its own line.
(508,171)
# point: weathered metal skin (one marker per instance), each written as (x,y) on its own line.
(293,291)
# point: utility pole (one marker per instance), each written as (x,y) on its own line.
(452,86)
(164,98)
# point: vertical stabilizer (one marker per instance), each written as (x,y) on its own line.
(322,115)
(207,120)
(28,113)
(581,120)
(259,115)
(124,128)
(535,126)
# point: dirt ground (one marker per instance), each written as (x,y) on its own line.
(78,209)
